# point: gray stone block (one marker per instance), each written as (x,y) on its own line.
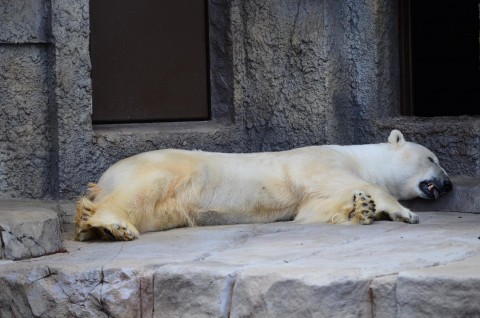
(28,230)
(299,292)
(452,290)
(193,290)
(383,294)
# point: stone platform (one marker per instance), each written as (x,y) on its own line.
(386,269)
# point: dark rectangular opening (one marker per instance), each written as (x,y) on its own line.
(149,60)
(439,43)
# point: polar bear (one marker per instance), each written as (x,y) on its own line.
(170,188)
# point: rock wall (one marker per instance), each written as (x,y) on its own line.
(316,71)
(283,74)
(25,106)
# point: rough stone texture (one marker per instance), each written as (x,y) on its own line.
(24,21)
(282,55)
(66,211)
(200,291)
(258,270)
(384,297)
(70,28)
(312,72)
(451,290)
(283,74)
(25,140)
(28,230)
(300,292)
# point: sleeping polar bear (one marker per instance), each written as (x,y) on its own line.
(165,189)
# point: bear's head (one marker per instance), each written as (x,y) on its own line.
(419,169)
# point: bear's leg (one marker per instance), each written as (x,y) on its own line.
(346,206)
(387,207)
(107,225)
(401,215)
(375,203)
(363,208)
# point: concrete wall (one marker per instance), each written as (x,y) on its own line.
(284,73)
(26,144)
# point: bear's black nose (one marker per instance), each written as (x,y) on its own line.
(447,185)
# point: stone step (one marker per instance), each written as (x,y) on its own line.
(28,229)
(387,269)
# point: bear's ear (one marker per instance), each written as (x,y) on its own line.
(396,137)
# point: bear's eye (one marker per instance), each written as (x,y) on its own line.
(431,159)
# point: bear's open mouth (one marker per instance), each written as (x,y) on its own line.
(429,189)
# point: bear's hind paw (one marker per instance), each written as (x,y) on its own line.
(117,232)
(363,208)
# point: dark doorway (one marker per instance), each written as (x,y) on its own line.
(440,57)
(149,60)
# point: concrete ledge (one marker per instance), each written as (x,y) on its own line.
(257,270)
(28,229)
(465,197)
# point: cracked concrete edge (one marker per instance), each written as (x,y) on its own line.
(208,287)
(443,290)
(450,290)
(266,292)
(43,291)
(383,296)
(229,291)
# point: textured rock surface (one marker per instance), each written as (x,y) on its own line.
(28,230)
(25,142)
(383,296)
(257,270)
(201,290)
(24,21)
(451,290)
(301,291)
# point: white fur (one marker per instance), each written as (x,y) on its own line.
(164,189)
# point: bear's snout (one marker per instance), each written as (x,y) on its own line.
(435,187)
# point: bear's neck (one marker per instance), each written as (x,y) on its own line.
(372,162)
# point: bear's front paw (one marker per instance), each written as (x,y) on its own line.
(363,208)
